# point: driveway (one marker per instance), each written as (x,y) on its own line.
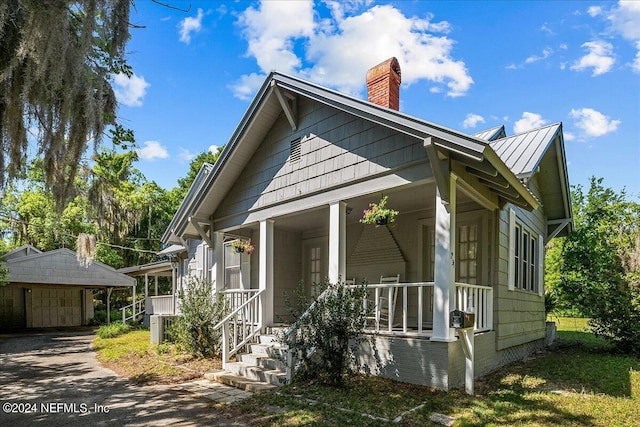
(54,379)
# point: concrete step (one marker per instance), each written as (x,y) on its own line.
(257,373)
(268,339)
(242,383)
(269,349)
(262,360)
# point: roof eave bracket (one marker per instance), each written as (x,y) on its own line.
(196,222)
(440,169)
(289,106)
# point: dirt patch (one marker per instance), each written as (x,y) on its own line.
(151,368)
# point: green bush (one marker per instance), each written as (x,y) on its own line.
(201,311)
(328,331)
(113,330)
(100,316)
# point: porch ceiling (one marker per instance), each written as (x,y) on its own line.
(405,199)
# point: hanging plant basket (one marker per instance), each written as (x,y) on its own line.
(381,221)
(242,246)
(379,214)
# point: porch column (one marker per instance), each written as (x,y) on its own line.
(337,241)
(444,268)
(265,274)
(217,269)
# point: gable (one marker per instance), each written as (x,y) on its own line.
(330,149)
(540,153)
(24,250)
(281,100)
(61,267)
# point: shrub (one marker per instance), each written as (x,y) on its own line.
(328,331)
(113,330)
(201,309)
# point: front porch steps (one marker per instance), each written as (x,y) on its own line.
(260,369)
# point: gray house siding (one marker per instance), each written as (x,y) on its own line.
(336,149)
(519,316)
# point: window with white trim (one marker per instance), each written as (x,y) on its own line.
(526,257)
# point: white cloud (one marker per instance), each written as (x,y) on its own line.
(594,11)
(186,155)
(472,120)
(271,30)
(600,58)
(130,90)
(545,54)
(152,150)
(568,136)
(625,20)
(593,123)
(545,28)
(528,122)
(190,25)
(285,36)
(213,149)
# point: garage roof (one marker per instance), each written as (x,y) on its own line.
(61,267)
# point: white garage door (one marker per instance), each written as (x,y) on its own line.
(11,307)
(51,307)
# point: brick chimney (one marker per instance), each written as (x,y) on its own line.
(383,84)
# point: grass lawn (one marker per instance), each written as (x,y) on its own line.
(132,355)
(579,383)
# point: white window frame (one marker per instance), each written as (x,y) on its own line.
(526,257)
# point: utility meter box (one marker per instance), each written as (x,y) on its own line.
(459,319)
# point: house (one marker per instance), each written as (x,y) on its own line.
(476,212)
(51,289)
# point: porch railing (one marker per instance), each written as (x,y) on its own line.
(479,300)
(412,312)
(163,304)
(244,322)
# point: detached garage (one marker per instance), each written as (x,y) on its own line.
(51,289)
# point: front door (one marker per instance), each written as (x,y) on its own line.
(468,267)
(315,256)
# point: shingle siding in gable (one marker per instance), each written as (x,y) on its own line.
(336,148)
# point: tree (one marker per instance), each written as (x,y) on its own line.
(56,62)
(600,264)
(194,168)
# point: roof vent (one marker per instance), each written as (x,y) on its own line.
(383,84)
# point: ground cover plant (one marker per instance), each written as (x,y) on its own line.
(579,382)
(132,355)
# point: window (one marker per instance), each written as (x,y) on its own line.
(232,265)
(525,270)
(315,265)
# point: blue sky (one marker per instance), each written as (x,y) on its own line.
(467,65)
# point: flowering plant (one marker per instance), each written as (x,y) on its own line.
(243,246)
(379,213)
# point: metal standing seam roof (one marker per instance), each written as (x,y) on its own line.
(491,134)
(522,153)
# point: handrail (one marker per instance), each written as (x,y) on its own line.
(134,313)
(237,310)
(248,329)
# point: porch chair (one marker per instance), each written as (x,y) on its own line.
(350,282)
(382,315)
